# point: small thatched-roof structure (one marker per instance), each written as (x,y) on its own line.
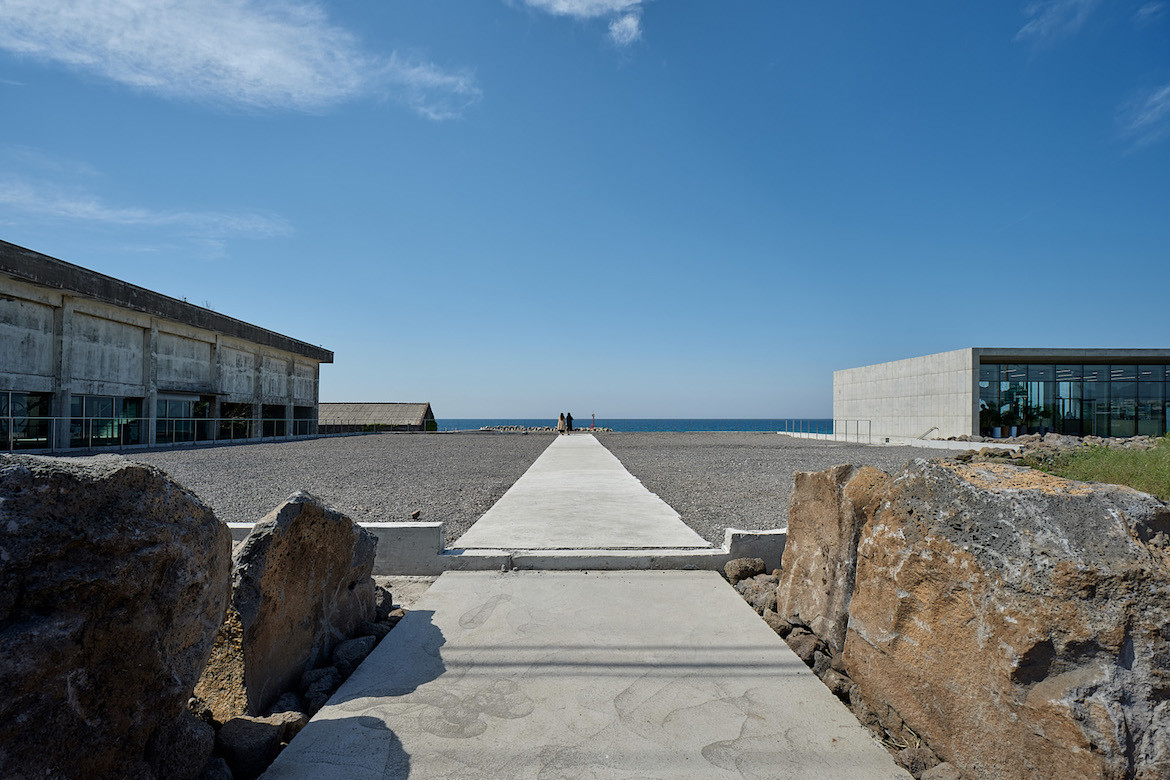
(359,417)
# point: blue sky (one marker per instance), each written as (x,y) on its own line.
(635,207)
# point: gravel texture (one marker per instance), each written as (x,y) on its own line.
(739,480)
(714,480)
(449,477)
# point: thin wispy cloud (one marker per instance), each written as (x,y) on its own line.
(1146,119)
(38,198)
(1050,20)
(624,16)
(254,54)
(1150,12)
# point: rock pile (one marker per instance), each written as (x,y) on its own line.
(1008,621)
(113,580)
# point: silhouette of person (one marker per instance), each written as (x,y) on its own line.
(569,422)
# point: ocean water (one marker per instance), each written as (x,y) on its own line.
(808,425)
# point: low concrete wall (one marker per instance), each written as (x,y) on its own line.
(419,549)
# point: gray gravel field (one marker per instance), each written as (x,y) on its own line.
(738,480)
(449,477)
(714,480)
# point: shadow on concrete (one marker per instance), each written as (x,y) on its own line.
(362,745)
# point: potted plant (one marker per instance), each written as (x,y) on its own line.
(1011,421)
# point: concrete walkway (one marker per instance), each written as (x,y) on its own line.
(578,496)
(583,675)
(571,674)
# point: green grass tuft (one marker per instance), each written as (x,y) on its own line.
(1145,470)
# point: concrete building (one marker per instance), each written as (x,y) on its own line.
(87,360)
(364,417)
(984,390)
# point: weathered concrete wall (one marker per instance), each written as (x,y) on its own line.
(26,337)
(71,345)
(273,378)
(107,352)
(304,391)
(908,397)
(237,374)
(183,362)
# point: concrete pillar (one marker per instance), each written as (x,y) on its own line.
(62,372)
(289,396)
(216,387)
(150,381)
(257,393)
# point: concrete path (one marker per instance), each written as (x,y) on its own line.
(583,675)
(578,496)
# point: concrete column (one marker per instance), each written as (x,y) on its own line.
(216,387)
(62,372)
(316,398)
(150,380)
(257,393)
(290,396)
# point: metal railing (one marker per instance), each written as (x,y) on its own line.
(43,433)
(837,429)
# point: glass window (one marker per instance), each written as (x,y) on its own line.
(31,423)
(1123,405)
(3,404)
(99,406)
(1095,401)
(988,372)
(1150,401)
(1067,373)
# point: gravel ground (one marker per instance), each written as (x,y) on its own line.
(450,477)
(738,480)
(714,480)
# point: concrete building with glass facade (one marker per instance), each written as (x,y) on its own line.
(1001,392)
(87,361)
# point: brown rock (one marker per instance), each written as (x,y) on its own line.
(741,568)
(804,644)
(825,517)
(778,624)
(943,771)
(916,760)
(759,591)
(348,655)
(301,584)
(1017,621)
(249,745)
(112,579)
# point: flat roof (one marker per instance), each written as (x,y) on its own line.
(1065,355)
(29,266)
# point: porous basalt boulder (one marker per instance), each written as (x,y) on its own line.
(741,568)
(301,584)
(113,580)
(827,512)
(1017,621)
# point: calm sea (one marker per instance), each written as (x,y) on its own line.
(809,425)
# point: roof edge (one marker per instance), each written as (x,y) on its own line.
(41,269)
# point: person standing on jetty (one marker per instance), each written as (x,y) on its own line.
(568,422)
(561,424)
